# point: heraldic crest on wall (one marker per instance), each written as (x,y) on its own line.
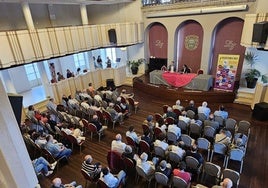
(191,42)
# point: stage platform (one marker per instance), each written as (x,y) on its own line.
(142,83)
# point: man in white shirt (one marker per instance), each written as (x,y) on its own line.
(118,145)
(174,129)
(178,106)
(204,109)
(147,166)
(160,142)
(132,134)
(184,118)
(178,149)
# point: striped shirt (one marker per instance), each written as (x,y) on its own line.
(91,169)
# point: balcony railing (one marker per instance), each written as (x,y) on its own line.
(146,3)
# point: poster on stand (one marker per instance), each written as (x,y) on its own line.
(226,71)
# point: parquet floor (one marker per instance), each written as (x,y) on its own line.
(255,170)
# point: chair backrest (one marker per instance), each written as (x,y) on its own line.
(144,146)
(195,129)
(174,157)
(212,169)
(170,120)
(220,120)
(236,154)
(157,117)
(145,128)
(159,151)
(117,108)
(58,131)
(129,164)
(107,116)
(179,182)
(157,131)
(209,132)
(220,148)
(165,107)
(100,115)
(130,141)
(141,173)
(243,127)
(200,71)
(187,140)
(243,137)
(92,127)
(86,175)
(202,117)
(177,112)
(171,136)
(232,175)
(191,162)
(131,101)
(203,143)
(190,114)
(72,139)
(115,162)
(183,126)
(161,178)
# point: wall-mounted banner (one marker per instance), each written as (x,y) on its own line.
(226,71)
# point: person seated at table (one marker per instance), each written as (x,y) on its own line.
(185,69)
(172,67)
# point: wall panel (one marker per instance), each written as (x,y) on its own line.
(26,45)
(45,44)
(6,55)
(14,43)
(68,39)
(53,42)
(61,40)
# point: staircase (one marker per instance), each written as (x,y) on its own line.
(245,96)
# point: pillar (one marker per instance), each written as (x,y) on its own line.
(27,15)
(83,10)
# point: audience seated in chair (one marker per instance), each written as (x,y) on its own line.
(97,123)
(161,142)
(57,183)
(132,134)
(178,149)
(191,106)
(223,138)
(221,112)
(41,165)
(204,109)
(114,115)
(77,133)
(226,183)
(111,180)
(93,170)
(178,106)
(57,150)
(193,152)
(118,145)
(184,118)
(180,172)
(164,168)
(147,166)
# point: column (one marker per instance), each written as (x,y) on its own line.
(44,78)
(7,81)
(83,10)
(15,163)
(27,15)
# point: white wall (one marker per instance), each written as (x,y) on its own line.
(19,79)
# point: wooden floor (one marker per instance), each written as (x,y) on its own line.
(255,171)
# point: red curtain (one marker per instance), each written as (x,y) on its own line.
(158,41)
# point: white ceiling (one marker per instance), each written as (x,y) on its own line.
(78,2)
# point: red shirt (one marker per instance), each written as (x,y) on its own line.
(184,175)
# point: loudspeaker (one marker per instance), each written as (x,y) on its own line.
(16,103)
(110,83)
(260,111)
(112,36)
(260,32)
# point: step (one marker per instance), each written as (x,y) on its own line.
(244,95)
(243,101)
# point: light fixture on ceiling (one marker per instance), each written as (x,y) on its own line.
(207,10)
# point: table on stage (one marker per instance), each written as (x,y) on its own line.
(189,81)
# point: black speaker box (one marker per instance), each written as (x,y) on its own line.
(16,103)
(260,32)
(112,36)
(260,111)
(110,83)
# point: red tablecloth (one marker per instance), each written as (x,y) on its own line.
(178,80)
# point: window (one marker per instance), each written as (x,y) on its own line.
(33,74)
(80,61)
(110,52)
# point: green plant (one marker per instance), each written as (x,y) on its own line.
(135,63)
(251,73)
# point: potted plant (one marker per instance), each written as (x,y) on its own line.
(251,74)
(134,65)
